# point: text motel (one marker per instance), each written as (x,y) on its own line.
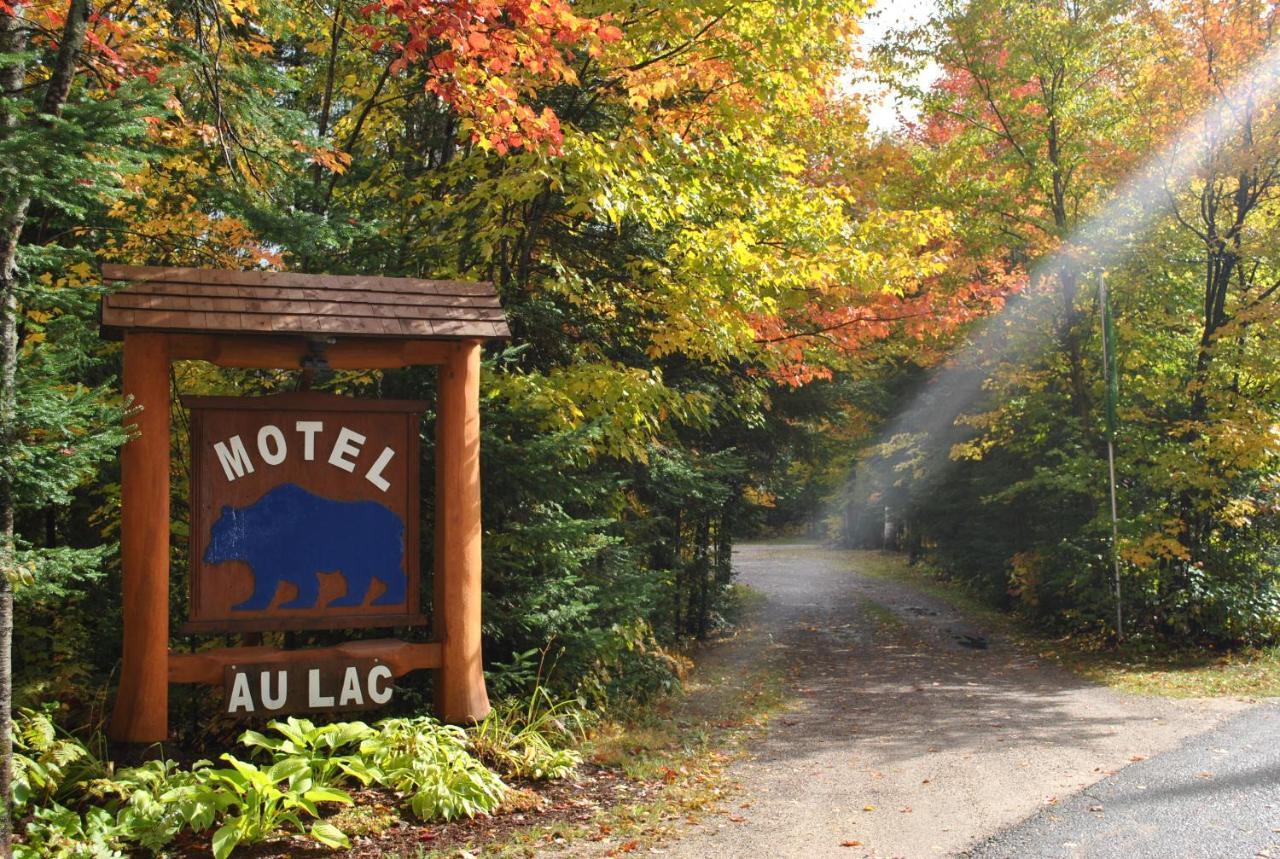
(273,448)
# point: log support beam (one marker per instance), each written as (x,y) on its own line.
(460,694)
(287,353)
(142,702)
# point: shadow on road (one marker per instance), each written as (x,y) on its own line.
(913,732)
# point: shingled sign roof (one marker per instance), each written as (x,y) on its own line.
(270,302)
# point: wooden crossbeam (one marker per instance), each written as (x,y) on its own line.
(208,666)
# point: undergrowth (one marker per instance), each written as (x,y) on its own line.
(294,777)
(1140,665)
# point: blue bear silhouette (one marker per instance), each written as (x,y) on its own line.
(291,535)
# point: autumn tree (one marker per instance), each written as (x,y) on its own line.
(1199,314)
(1028,127)
(1033,121)
(1040,111)
(64,146)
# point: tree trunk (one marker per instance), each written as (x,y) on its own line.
(12,40)
(13,216)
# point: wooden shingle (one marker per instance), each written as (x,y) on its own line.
(193,299)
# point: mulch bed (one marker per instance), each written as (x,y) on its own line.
(575,802)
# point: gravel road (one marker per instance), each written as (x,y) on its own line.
(914,733)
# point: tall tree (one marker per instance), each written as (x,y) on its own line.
(15,201)
(63,150)
(1226,87)
(1032,121)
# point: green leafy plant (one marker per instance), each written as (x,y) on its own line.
(430,765)
(253,804)
(49,765)
(58,832)
(319,746)
(143,796)
(531,738)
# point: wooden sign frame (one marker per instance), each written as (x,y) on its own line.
(203,590)
(290,321)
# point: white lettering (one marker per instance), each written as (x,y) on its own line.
(375,473)
(314,698)
(350,688)
(376,695)
(273,448)
(347,445)
(273,434)
(240,698)
(234,460)
(274,702)
(309,430)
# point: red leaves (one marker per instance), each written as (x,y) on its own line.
(802,342)
(486,58)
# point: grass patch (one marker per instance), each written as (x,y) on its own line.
(1136,667)
(1250,673)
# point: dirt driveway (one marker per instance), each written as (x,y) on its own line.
(914,733)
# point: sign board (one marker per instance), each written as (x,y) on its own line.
(304,513)
(272,689)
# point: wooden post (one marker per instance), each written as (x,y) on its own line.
(460,694)
(142,702)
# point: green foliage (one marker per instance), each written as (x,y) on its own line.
(253,804)
(49,766)
(532,738)
(144,796)
(631,666)
(79,808)
(56,832)
(429,764)
(320,747)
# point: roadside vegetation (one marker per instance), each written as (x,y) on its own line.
(1142,665)
(294,778)
(634,767)
(999,475)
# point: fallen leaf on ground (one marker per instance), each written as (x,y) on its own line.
(737,818)
(868,808)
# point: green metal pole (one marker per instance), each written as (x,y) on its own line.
(1113,390)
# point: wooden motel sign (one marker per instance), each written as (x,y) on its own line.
(304,507)
(304,513)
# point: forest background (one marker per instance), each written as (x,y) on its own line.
(720,284)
